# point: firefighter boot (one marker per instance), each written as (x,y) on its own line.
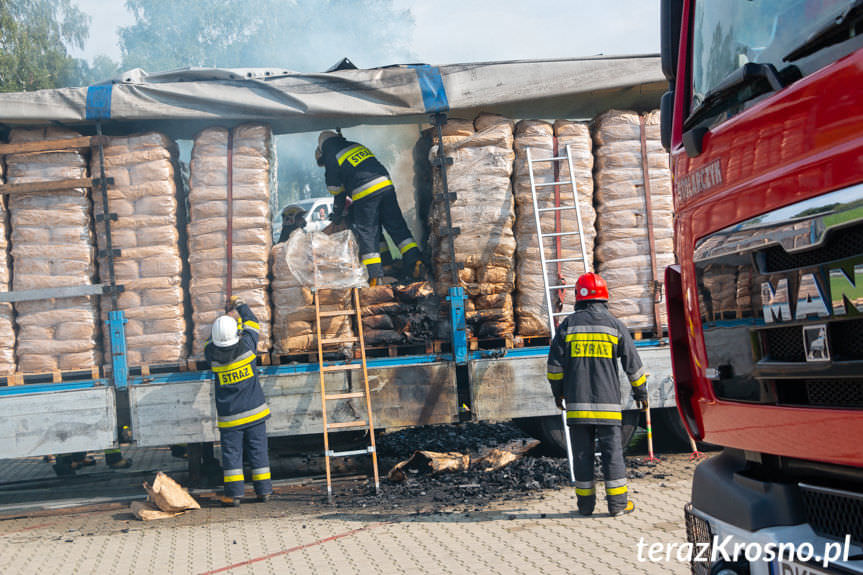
(630,507)
(227,501)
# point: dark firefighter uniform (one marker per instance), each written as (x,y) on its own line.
(241,408)
(353,171)
(582,369)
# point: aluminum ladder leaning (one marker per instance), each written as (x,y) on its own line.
(560,206)
(363,394)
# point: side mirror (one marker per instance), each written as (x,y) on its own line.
(666,118)
(670,15)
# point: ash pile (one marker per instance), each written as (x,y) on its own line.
(461,475)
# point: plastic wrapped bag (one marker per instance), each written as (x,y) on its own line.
(325,261)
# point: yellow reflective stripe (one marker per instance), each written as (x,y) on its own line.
(231,478)
(555,376)
(616,490)
(335,190)
(374,260)
(591,491)
(251,418)
(369,190)
(592,337)
(640,381)
(261,476)
(252,324)
(594,415)
(344,155)
(235,365)
(409,246)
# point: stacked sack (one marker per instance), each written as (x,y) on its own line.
(720,286)
(622,246)
(483,210)
(7,329)
(208,210)
(149,267)
(305,261)
(52,247)
(539,137)
(396,314)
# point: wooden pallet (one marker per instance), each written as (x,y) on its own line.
(504,342)
(56,376)
(642,334)
(531,341)
(396,350)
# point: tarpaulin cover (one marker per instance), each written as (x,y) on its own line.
(183,102)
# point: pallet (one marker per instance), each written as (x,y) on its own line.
(726,314)
(504,342)
(396,350)
(531,341)
(642,334)
(56,376)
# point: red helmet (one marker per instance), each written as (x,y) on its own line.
(591,287)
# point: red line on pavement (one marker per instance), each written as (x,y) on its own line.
(297,548)
(32,527)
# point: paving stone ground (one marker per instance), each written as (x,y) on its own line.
(297,532)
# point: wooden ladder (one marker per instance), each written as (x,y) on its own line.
(364,394)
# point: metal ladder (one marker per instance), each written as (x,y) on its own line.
(560,285)
(535,189)
(326,397)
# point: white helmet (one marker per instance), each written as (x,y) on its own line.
(225,331)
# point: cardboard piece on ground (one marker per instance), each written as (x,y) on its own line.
(429,462)
(498,457)
(146,511)
(169,496)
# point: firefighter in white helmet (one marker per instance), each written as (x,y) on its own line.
(240,404)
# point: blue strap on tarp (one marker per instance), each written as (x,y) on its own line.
(99,102)
(431,86)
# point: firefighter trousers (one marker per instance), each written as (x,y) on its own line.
(367,216)
(252,440)
(584,439)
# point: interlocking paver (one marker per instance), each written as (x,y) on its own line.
(296,533)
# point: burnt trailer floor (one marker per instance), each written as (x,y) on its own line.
(519,519)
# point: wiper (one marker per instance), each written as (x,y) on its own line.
(731,87)
(835,30)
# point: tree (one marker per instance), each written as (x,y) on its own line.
(34,35)
(306,35)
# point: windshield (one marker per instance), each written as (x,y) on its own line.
(729,33)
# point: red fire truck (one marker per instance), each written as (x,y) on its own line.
(764,122)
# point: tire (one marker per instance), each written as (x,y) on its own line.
(549,430)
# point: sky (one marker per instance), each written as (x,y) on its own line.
(453,31)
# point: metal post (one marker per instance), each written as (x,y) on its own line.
(458,324)
(106,218)
(119,365)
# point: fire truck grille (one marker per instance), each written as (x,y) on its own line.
(784,344)
(847,393)
(845,340)
(833,513)
(844,243)
(698,531)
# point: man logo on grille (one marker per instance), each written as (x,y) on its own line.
(815,343)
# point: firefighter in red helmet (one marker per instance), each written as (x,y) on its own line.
(582,369)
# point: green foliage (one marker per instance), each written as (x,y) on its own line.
(33,39)
(102,69)
(306,35)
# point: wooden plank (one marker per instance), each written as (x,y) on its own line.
(51,293)
(45,187)
(51,145)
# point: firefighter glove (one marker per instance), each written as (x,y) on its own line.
(558,401)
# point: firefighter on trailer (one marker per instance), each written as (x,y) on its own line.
(582,369)
(240,404)
(360,182)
